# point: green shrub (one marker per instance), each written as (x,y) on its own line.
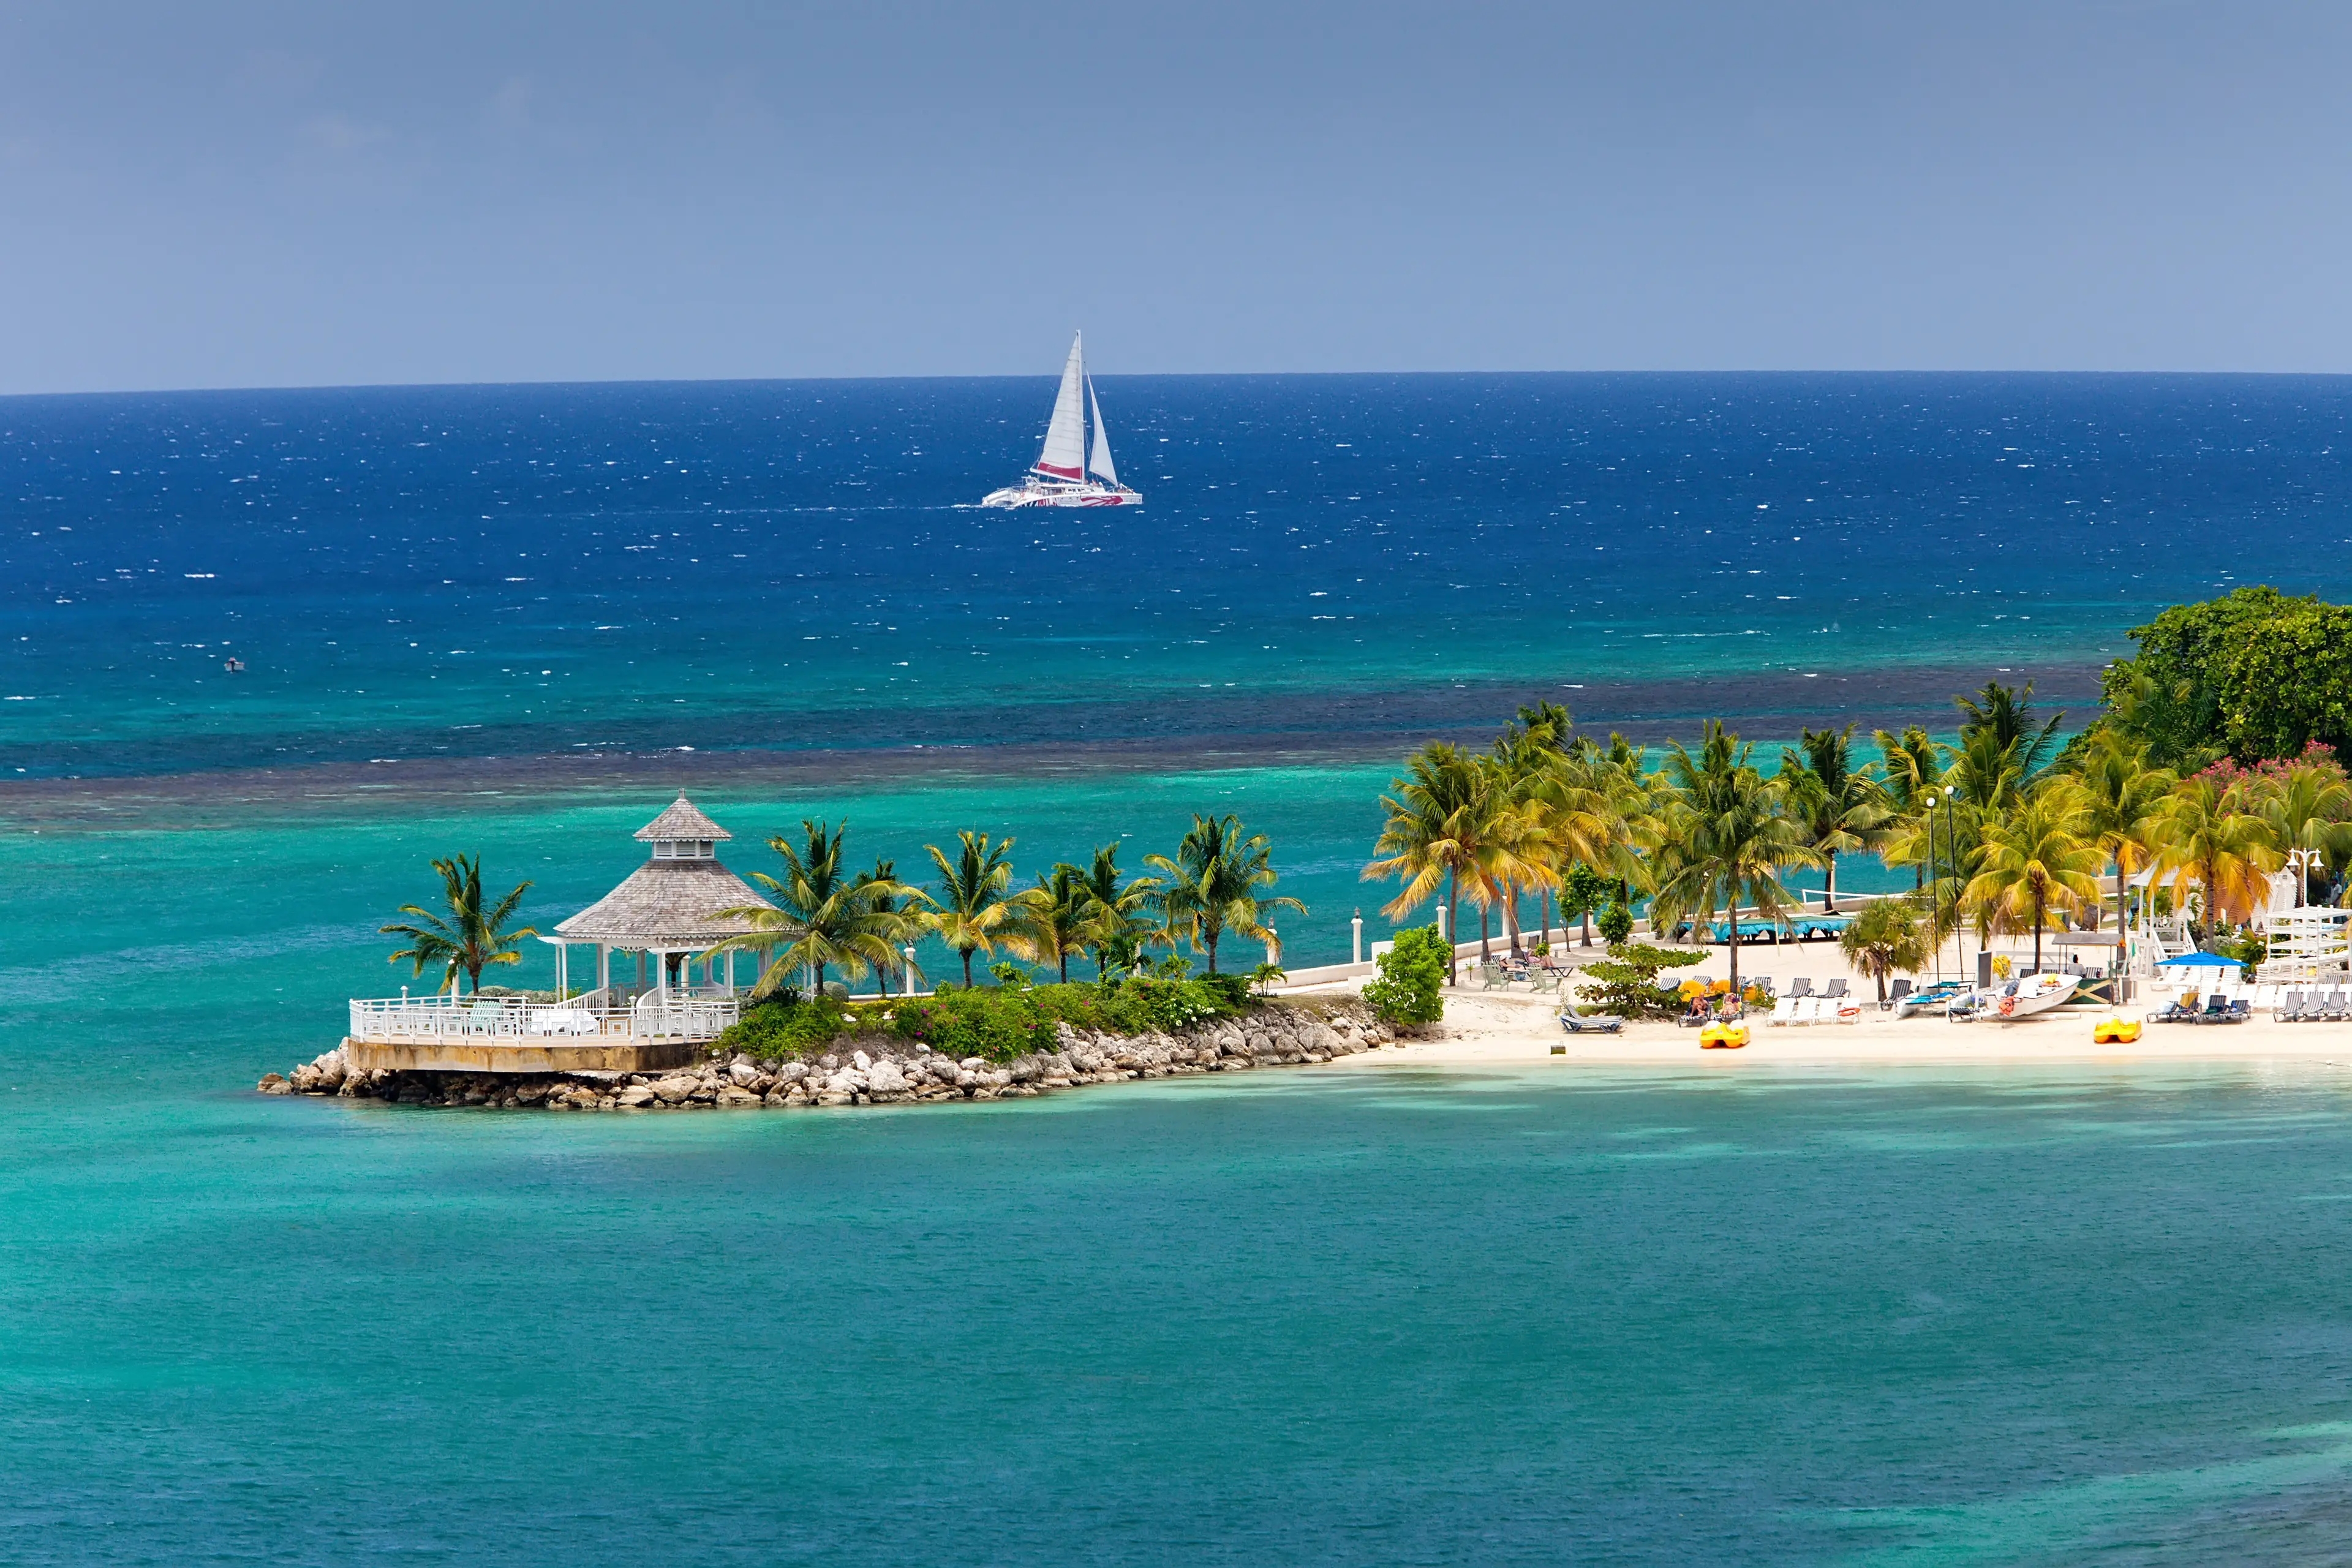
(1406,991)
(997,1022)
(1626,981)
(787,1027)
(1615,924)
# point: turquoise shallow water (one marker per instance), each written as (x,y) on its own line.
(1404,1317)
(1902,1317)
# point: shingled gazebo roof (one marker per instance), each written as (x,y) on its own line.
(682,820)
(667,904)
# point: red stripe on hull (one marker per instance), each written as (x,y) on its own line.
(1061,473)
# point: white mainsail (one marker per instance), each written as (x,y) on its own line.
(1100,462)
(1065,455)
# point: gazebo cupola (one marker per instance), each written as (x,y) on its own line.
(668,907)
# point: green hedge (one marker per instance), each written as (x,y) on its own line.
(996,1022)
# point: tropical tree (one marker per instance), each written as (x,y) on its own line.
(901,908)
(1727,838)
(1913,764)
(1885,937)
(1213,883)
(2041,856)
(973,911)
(2122,792)
(1841,807)
(2204,832)
(2004,716)
(463,935)
(1061,915)
(2309,807)
(819,916)
(1115,908)
(1440,816)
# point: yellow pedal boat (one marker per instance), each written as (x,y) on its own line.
(1723,1035)
(2115,1031)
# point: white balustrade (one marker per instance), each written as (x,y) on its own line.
(654,1015)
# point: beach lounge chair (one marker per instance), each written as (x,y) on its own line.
(2334,1009)
(1800,986)
(1896,993)
(1582,1023)
(2179,1010)
(1784,1010)
(1835,988)
(1818,1010)
(2287,1008)
(2215,1011)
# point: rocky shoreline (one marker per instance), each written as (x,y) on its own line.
(876,1069)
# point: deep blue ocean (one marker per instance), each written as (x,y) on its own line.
(2005,1316)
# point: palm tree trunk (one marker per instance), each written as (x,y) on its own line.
(1064,956)
(967,967)
(1733,950)
(1484,956)
(1209,945)
(1829,886)
(1511,920)
(1453,892)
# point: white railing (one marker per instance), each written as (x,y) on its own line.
(656,1016)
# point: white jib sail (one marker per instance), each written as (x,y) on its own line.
(1100,461)
(1064,456)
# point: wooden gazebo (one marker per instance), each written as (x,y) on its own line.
(665,911)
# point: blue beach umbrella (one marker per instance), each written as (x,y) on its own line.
(2200,960)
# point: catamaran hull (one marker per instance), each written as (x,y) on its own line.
(1062,495)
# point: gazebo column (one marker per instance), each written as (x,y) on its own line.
(603,967)
(731,972)
(563,971)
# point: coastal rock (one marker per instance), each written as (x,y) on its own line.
(743,1072)
(735,1094)
(886,1077)
(274,1083)
(861,1061)
(792,1072)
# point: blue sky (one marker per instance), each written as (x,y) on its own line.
(251,194)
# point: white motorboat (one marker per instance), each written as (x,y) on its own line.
(2027,997)
(1059,476)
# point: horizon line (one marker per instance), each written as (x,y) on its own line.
(1166,376)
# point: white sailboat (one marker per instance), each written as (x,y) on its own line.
(1059,476)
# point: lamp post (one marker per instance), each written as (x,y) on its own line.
(1952,853)
(2303,860)
(910,951)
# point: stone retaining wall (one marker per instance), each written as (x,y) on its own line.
(874,1070)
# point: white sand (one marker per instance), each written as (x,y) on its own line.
(1503,1027)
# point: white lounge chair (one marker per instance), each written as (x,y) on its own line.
(1784,1010)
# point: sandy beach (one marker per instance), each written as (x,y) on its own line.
(1517,1026)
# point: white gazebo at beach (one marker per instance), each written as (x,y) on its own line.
(662,913)
(666,911)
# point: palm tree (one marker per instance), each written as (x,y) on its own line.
(1438,819)
(1061,915)
(1913,765)
(972,913)
(2309,810)
(825,917)
(2040,857)
(2122,792)
(467,936)
(1841,807)
(2005,716)
(1884,938)
(1728,838)
(901,907)
(1115,908)
(1211,885)
(2203,830)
